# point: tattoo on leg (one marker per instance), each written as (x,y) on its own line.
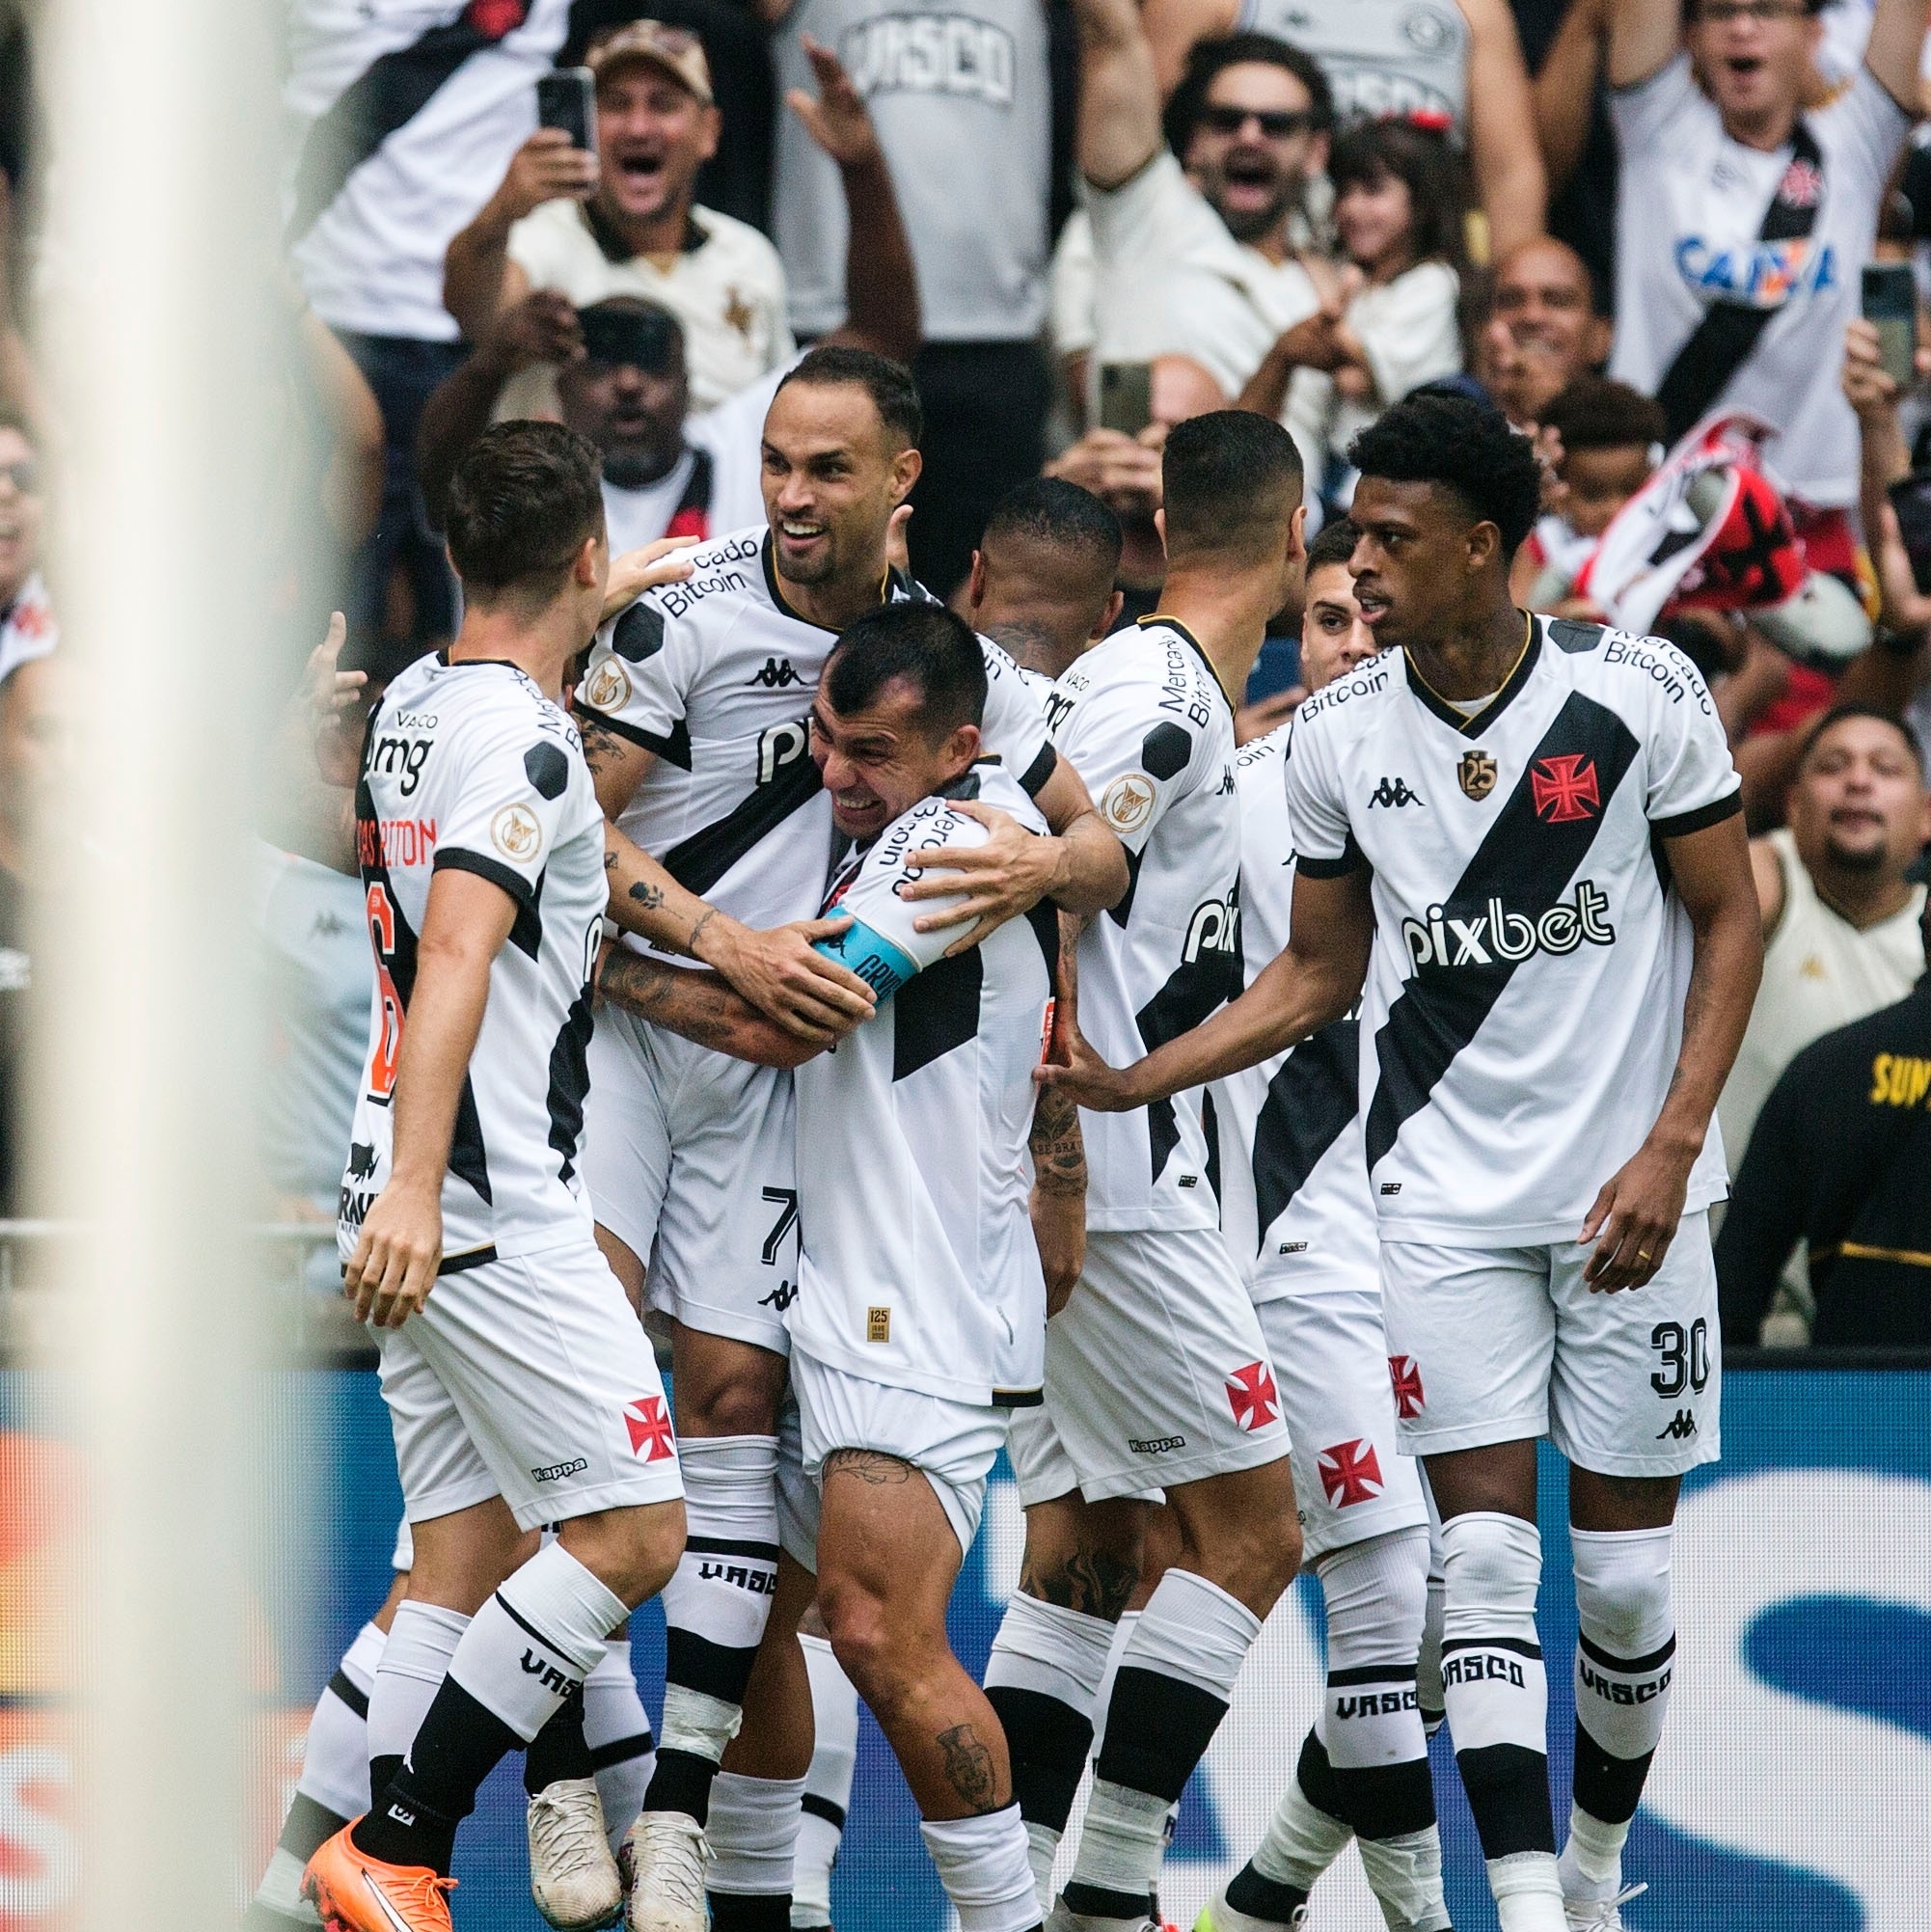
(867,1465)
(968,1766)
(1092,1582)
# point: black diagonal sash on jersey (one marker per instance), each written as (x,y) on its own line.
(1196,989)
(387,94)
(937,1011)
(699,861)
(1310,1101)
(1525,863)
(570,1081)
(1720,343)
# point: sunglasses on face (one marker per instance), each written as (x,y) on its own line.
(1277,124)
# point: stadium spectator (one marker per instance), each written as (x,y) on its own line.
(27,626)
(1744,218)
(1564,41)
(1452,65)
(963,102)
(1544,332)
(402,118)
(1839,912)
(624,221)
(1884,460)
(1842,1159)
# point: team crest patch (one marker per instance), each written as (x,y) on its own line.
(515,832)
(1406,1378)
(648,1422)
(1475,774)
(1563,788)
(1252,1395)
(1351,1472)
(1128,803)
(608,687)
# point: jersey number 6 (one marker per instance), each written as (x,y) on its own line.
(388,1047)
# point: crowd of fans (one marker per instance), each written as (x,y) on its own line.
(1638,228)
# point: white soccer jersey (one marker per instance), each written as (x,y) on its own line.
(1524,1003)
(1294,1204)
(470,765)
(715,676)
(919,1266)
(1142,718)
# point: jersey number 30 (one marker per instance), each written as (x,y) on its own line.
(388,1047)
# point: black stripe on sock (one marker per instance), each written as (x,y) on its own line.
(681,1782)
(1507,1787)
(308,1827)
(1633,1666)
(1095,1901)
(1163,1728)
(715,1670)
(620,1751)
(1047,1741)
(1386,1801)
(1521,1647)
(1607,1788)
(344,1687)
(823,1808)
(723,1546)
(1265,1898)
(529,1629)
(1373,1673)
(1315,1775)
(751,1910)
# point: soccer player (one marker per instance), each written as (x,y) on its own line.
(1041,580)
(694,708)
(521,1389)
(1559,942)
(1297,1214)
(1157,1374)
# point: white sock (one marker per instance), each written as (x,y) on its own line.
(617,1732)
(752,1832)
(335,1759)
(1103,1698)
(1528,1895)
(415,1661)
(1302,1841)
(982,1864)
(828,1785)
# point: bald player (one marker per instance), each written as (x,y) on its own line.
(1043,577)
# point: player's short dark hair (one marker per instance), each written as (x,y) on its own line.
(1594,413)
(927,643)
(1333,544)
(1050,512)
(1836,714)
(524,498)
(1223,477)
(894,394)
(1461,445)
(1211,58)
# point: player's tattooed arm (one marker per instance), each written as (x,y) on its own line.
(969,1768)
(616,765)
(698,1005)
(1059,1194)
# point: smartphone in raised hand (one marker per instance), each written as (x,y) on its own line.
(1890,301)
(567,98)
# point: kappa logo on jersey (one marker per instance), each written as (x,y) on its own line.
(608,687)
(1394,792)
(1252,1395)
(516,834)
(1563,789)
(1128,803)
(649,1425)
(1407,1378)
(1351,1472)
(1443,940)
(775,674)
(1475,774)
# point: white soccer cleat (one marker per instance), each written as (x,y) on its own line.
(1218,1915)
(1600,1915)
(1061,1920)
(573,1878)
(668,1854)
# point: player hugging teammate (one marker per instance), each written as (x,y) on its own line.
(857,867)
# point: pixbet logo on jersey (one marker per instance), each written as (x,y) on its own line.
(1446,939)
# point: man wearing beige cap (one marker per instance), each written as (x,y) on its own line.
(623,222)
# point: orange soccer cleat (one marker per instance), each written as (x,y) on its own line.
(354,1892)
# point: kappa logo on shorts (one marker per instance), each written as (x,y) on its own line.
(1253,1398)
(1407,1378)
(1155,1445)
(1680,1426)
(1351,1472)
(650,1434)
(557,1471)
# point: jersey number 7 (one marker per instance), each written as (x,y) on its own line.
(389,1046)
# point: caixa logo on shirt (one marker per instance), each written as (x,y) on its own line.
(1765,274)
(1447,938)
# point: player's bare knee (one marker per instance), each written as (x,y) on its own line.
(725,1387)
(870,1644)
(632,1552)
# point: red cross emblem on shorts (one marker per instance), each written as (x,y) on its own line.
(1407,1380)
(1252,1395)
(649,1424)
(1351,1472)
(1563,788)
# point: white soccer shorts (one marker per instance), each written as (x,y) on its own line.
(529,1378)
(1331,1357)
(952,1444)
(693,1152)
(1496,1344)
(1156,1375)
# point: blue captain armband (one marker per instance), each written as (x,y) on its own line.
(873,956)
